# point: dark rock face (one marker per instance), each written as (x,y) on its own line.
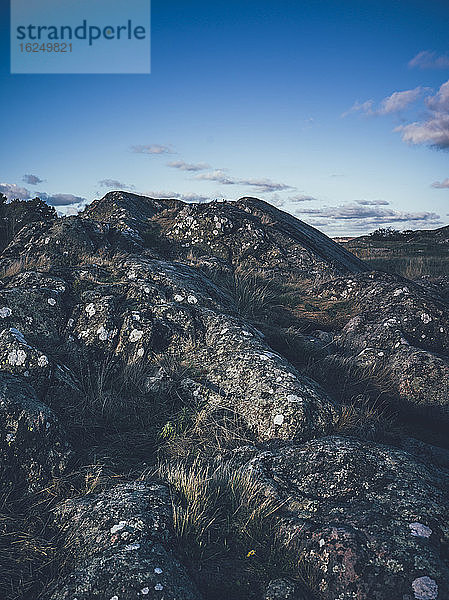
(143,283)
(404,326)
(119,546)
(370,519)
(33,445)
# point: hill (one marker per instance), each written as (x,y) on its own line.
(213,401)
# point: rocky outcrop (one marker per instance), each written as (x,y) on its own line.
(143,285)
(120,544)
(370,520)
(400,328)
(32,443)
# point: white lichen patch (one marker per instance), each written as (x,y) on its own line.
(120,525)
(135,335)
(400,291)
(134,546)
(425,318)
(278,419)
(90,309)
(140,352)
(158,570)
(420,530)
(5,312)
(51,301)
(102,333)
(10,437)
(42,361)
(425,588)
(178,298)
(158,587)
(145,591)
(17,358)
(192,299)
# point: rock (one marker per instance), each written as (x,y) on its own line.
(32,442)
(369,519)
(121,544)
(255,234)
(400,328)
(281,589)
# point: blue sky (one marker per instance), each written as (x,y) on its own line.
(336,111)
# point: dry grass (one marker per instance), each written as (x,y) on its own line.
(253,295)
(226,528)
(205,431)
(26,263)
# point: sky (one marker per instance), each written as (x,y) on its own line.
(336,111)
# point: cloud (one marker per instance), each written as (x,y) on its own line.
(185,197)
(13,192)
(276,200)
(365,217)
(183,166)
(116,185)
(429,60)
(263,185)
(394,103)
(440,102)
(61,199)
(218,175)
(434,129)
(432,132)
(440,185)
(373,202)
(301,198)
(153,149)
(364,107)
(32,179)
(399,100)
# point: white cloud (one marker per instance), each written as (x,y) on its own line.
(13,191)
(373,202)
(432,132)
(263,185)
(183,166)
(363,107)
(365,217)
(153,149)
(115,184)
(399,101)
(301,198)
(429,60)
(440,185)
(440,102)
(394,103)
(185,197)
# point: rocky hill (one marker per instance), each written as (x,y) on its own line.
(210,401)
